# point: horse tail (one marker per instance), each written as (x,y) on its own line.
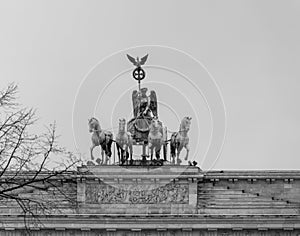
(173,144)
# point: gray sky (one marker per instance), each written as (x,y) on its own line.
(250,47)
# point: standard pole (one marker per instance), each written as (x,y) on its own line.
(139,86)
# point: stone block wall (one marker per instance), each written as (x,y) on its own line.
(250,193)
(167,201)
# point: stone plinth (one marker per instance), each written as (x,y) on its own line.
(138,189)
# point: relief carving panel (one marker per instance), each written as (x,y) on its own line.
(136,193)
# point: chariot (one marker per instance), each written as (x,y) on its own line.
(145,111)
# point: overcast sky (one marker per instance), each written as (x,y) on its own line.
(251,49)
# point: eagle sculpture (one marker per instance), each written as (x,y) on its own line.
(137,62)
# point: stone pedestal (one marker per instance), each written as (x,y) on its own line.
(138,190)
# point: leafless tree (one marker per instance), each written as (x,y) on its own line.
(28,162)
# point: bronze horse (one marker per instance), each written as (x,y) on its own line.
(123,142)
(101,138)
(156,137)
(180,140)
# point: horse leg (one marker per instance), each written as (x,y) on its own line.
(173,155)
(173,147)
(157,152)
(178,154)
(165,151)
(125,151)
(98,160)
(172,152)
(91,150)
(130,148)
(122,155)
(187,147)
(108,149)
(118,151)
(106,156)
(150,149)
(102,155)
(150,153)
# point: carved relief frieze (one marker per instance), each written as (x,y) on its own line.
(136,193)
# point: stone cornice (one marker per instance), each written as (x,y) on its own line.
(140,172)
(253,174)
(169,171)
(160,221)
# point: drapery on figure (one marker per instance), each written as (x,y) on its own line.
(144,105)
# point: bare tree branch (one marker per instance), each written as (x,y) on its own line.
(8,96)
(27,161)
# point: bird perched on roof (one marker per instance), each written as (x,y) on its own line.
(137,62)
(194,163)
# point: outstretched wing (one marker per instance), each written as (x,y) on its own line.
(143,60)
(135,103)
(130,58)
(153,102)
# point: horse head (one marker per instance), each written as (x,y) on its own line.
(185,124)
(155,124)
(94,124)
(122,125)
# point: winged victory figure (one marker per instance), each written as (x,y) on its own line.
(135,103)
(153,103)
(143,104)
